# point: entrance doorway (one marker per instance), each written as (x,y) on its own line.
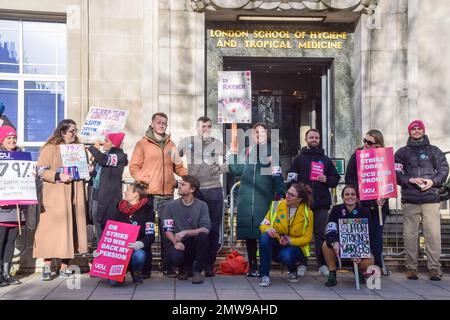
(289,94)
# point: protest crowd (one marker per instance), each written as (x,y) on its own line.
(277,218)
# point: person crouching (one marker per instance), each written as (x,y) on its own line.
(137,210)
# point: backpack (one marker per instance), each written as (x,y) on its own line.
(234,264)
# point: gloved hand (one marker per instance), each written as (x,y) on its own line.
(138,245)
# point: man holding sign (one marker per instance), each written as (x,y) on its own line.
(348,235)
(421,170)
(314,168)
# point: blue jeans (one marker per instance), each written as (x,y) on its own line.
(288,255)
(137,263)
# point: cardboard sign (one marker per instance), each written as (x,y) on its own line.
(235,97)
(114,254)
(74,155)
(317,170)
(101,121)
(17,183)
(354,238)
(376,173)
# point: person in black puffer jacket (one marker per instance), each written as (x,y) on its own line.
(107,180)
(300,172)
(421,170)
(136,209)
(373,139)
(350,209)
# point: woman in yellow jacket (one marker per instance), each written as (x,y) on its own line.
(286,232)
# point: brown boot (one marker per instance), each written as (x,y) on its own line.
(434,275)
(197,278)
(411,274)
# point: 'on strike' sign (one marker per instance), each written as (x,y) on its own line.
(354,238)
(376,173)
(113,252)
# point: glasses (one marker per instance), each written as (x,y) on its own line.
(368,142)
(291,195)
(73,132)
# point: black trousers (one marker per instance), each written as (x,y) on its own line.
(214,199)
(195,249)
(8,237)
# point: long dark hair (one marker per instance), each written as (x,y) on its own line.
(349,186)
(56,138)
(262,124)
(304,192)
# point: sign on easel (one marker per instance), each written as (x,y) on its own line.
(354,238)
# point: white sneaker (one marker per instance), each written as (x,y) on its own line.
(301,271)
(323,270)
(265,281)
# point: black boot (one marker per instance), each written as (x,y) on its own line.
(3,283)
(7,276)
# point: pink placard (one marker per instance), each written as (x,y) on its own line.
(376,173)
(317,170)
(114,254)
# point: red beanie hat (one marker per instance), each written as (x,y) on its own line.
(116,138)
(416,123)
(7,131)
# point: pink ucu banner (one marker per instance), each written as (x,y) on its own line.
(376,173)
(113,255)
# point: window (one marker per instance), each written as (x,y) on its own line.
(33,64)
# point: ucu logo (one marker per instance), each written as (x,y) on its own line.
(5,155)
(369,190)
(100,266)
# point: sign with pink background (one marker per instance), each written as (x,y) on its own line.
(113,252)
(376,173)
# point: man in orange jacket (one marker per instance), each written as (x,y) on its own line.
(154,161)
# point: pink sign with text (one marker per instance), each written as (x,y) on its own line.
(113,252)
(376,173)
(317,170)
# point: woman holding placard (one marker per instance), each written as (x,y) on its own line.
(62,227)
(9,227)
(350,209)
(373,139)
(258,189)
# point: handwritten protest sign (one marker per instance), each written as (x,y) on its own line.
(101,121)
(17,183)
(317,170)
(234,97)
(376,173)
(114,254)
(74,155)
(354,238)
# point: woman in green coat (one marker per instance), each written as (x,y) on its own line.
(261,183)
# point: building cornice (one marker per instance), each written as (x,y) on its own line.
(302,6)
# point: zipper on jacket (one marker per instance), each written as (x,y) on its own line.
(164,175)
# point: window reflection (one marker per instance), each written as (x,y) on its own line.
(9,46)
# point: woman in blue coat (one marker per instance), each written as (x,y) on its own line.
(261,183)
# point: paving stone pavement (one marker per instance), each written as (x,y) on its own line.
(158,287)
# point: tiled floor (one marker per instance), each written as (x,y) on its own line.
(158,287)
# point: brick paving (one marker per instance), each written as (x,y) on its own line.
(158,287)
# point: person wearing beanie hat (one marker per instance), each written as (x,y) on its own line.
(107,179)
(9,227)
(421,170)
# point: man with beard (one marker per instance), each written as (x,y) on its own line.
(421,170)
(314,168)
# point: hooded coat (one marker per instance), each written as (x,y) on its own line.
(154,162)
(256,191)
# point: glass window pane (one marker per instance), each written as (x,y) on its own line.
(34,152)
(9,96)
(9,46)
(44,46)
(41,108)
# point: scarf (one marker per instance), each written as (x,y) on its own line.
(126,208)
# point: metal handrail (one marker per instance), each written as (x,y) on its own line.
(232,213)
